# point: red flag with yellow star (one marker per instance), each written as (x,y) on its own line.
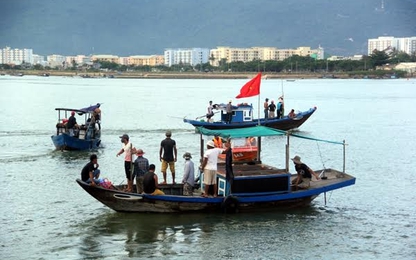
(251,88)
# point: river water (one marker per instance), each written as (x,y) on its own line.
(46,215)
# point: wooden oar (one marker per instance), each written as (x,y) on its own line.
(205,115)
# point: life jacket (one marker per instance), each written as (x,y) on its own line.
(217,142)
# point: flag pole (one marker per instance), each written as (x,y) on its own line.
(258,116)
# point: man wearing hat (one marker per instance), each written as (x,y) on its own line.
(229,110)
(209,166)
(188,179)
(128,149)
(168,156)
(71,124)
(304,174)
(141,166)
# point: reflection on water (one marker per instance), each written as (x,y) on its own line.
(158,235)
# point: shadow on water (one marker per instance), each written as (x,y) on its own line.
(149,235)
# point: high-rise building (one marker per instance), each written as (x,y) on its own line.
(189,56)
(406,44)
(16,56)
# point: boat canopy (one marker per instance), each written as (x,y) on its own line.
(242,132)
(256,131)
(81,111)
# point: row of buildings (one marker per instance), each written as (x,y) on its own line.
(180,56)
(195,56)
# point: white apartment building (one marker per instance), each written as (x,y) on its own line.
(227,54)
(16,56)
(407,44)
(189,56)
(56,60)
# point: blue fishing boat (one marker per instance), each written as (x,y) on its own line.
(85,136)
(243,117)
(254,186)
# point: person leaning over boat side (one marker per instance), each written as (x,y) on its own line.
(150,181)
(129,150)
(90,173)
(304,174)
(209,167)
(266,108)
(188,179)
(168,147)
(292,114)
(141,166)
(72,125)
(210,113)
(272,108)
(229,110)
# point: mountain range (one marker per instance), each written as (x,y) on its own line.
(142,27)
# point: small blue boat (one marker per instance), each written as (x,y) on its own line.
(243,117)
(86,136)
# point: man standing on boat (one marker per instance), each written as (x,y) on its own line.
(210,113)
(188,179)
(168,149)
(272,108)
(304,174)
(229,110)
(128,149)
(209,167)
(141,166)
(266,108)
(280,108)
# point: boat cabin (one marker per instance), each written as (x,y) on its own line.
(241,113)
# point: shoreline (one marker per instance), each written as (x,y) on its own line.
(184,75)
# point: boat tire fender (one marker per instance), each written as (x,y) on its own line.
(230,204)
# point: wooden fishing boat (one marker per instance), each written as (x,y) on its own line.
(243,117)
(255,186)
(87,136)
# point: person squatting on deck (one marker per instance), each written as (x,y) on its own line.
(168,148)
(141,166)
(304,174)
(188,179)
(291,114)
(150,182)
(129,150)
(266,108)
(90,173)
(209,167)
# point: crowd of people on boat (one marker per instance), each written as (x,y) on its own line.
(141,171)
(271,110)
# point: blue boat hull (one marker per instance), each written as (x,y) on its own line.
(66,142)
(284,123)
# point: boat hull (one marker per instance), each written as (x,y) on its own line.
(284,123)
(66,142)
(171,202)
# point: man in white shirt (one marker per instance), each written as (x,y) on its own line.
(129,150)
(210,113)
(209,167)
